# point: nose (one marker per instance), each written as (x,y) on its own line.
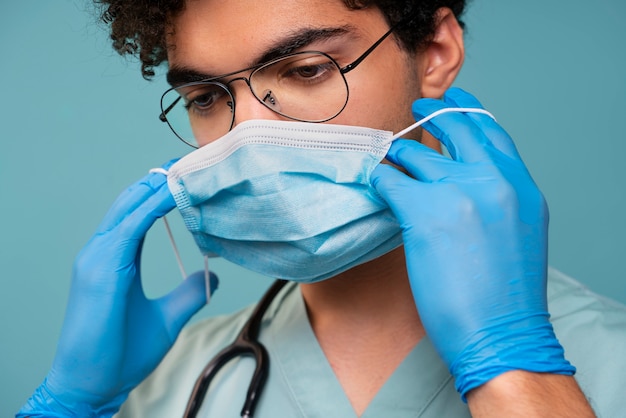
(247,106)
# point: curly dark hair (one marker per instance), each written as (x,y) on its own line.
(139,27)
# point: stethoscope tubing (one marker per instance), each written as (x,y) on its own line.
(246,344)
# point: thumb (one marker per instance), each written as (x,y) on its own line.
(183,302)
(395,187)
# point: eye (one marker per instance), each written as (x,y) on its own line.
(205,98)
(308,70)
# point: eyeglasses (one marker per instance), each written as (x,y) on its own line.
(305,86)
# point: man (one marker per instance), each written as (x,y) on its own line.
(473,261)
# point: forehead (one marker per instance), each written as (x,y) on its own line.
(219,36)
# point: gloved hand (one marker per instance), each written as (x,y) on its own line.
(113,336)
(475,238)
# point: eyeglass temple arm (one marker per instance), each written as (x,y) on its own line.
(163,114)
(364,55)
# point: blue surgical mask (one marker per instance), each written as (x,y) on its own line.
(289,200)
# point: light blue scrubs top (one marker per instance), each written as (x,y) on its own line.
(301,382)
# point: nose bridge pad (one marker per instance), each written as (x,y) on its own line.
(249,109)
(269,99)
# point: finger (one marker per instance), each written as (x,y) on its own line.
(183,302)
(136,224)
(132,197)
(397,189)
(464,140)
(457,97)
(420,161)
(119,249)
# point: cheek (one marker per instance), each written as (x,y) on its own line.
(380,105)
(381,97)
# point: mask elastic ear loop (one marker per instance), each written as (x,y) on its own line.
(169,230)
(439,112)
(175,248)
(207,275)
(159,170)
(207,278)
(181,267)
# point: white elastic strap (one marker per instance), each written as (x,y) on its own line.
(439,112)
(158,170)
(176,252)
(207,275)
(169,230)
(207,278)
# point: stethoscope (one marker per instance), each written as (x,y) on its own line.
(246,344)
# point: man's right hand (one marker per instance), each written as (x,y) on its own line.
(113,336)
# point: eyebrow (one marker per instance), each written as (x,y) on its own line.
(178,75)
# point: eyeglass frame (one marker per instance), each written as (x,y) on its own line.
(342,70)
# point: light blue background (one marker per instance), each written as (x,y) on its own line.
(78,124)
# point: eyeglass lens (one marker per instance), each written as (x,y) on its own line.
(305,86)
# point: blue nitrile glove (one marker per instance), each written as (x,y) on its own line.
(113,336)
(475,238)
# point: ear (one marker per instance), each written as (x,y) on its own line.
(442,58)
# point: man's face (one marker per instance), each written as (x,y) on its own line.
(213,37)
